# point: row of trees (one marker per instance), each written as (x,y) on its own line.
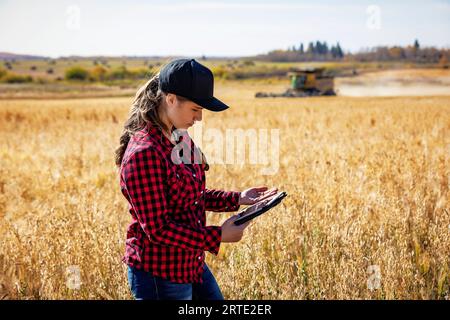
(321,51)
(100,73)
(411,53)
(8,77)
(314,51)
(78,73)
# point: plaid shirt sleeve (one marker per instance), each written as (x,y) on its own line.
(144,176)
(221,201)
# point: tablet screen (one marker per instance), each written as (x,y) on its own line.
(260,204)
(259,208)
(254,207)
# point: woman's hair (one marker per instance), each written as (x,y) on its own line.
(144,110)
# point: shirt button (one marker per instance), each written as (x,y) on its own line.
(201,192)
(195,202)
(199,257)
(194,175)
(199,222)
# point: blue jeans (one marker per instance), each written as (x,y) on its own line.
(145,286)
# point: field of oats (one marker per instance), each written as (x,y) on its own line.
(367,216)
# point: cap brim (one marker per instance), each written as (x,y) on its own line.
(212,104)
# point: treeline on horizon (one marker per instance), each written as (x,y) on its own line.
(100,70)
(321,51)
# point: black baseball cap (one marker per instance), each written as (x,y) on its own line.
(191,80)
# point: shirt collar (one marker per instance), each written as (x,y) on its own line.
(156,132)
(158,135)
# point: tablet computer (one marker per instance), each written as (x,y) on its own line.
(259,208)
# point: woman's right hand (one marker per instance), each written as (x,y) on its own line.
(232,232)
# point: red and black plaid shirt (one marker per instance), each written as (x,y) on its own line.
(167,202)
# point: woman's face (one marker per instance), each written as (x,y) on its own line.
(182,114)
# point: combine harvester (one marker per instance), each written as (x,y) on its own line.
(305,82)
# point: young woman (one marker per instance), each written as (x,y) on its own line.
(167,238)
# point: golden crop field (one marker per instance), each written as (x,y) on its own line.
(367,216)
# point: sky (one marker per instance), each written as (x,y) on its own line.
(231,28)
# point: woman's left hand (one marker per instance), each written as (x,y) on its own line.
(256,194)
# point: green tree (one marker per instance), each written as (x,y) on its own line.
(76,73)
(339,52)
